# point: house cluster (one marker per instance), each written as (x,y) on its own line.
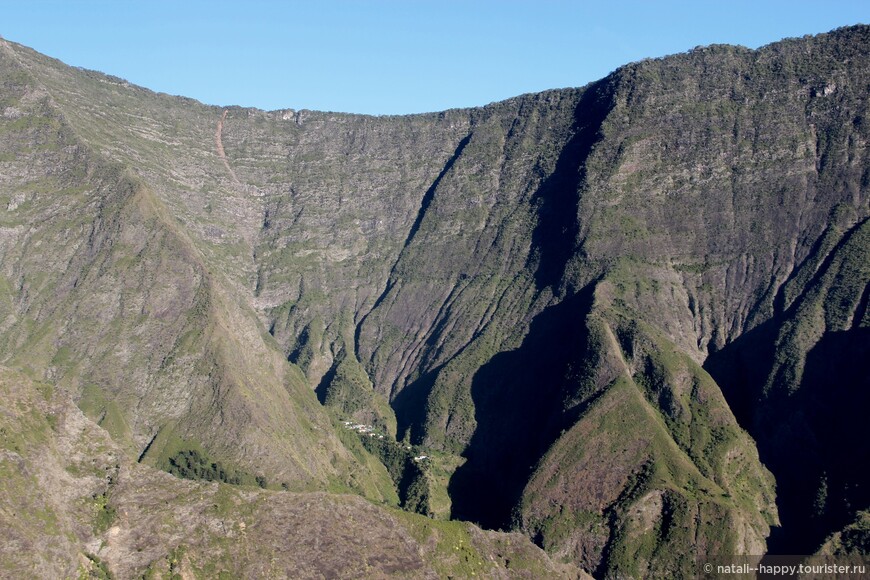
(371,431)
(362,429)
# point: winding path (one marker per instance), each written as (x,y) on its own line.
(219,144)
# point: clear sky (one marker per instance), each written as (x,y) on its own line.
(392,56)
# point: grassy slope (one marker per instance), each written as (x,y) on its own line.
(72,503)
(661,457)
(115,303)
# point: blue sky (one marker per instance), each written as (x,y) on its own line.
(392,56)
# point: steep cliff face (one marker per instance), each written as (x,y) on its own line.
(799,382)
(106,295)
(730,208)
(580,300)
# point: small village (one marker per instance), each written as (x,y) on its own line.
(373,432)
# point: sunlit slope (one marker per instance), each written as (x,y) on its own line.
(105,295)
(72,504)
(590,302)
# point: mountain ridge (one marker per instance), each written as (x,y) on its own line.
(486,283)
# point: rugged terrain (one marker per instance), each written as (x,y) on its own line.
(72,504)
(627,320)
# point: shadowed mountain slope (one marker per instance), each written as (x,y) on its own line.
(587,305)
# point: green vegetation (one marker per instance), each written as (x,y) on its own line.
(571,300)
(408,473)
(439,469)
(190,464)
(382,484)
(96,569)
(104,411)
(454,553)
(854,539)
(104,513)
(347,388)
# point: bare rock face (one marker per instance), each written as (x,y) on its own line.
(612,315)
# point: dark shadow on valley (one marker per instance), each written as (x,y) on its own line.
(519,396)
(555,238)
(519,399)
(410,407)
(814,439)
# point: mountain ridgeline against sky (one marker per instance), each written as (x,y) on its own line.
(628,321)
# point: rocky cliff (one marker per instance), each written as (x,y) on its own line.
(629,320)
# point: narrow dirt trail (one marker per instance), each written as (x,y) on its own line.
(219,144)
